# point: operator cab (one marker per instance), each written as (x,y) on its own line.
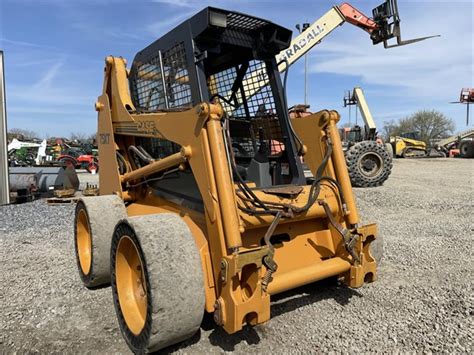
(411,135)
(225,57)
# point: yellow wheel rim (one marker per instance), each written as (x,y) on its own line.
(84,243)
(131,285)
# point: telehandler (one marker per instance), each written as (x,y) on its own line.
(368,162)
(204,208)
(368,159)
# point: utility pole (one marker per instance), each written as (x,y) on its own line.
(4,184)
(301,28)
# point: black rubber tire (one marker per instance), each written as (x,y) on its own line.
(103,213)
(173,276)
(470,151)
(466,149)
(360,151)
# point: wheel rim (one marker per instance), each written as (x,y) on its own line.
(370,164)
(131,285)
(84,242)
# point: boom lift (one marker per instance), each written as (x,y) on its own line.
(204,207)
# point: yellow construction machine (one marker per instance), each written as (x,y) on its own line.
(408,145)
(204,205)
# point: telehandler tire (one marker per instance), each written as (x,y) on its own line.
(157,281)
(94,224)
(368,164)
(466,149)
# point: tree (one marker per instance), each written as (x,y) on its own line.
(82,137)
(21,133)
(92,138)
(390,128)
(77,136)
(430,124)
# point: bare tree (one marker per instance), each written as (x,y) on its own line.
(91,138)
(390,128)
(78,136)
(430,124)
(21,133)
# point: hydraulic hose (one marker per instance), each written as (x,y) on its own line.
(279,209)
(285,99)
(145,157)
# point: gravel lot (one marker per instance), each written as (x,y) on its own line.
(423,300)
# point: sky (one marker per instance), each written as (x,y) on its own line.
(55,50)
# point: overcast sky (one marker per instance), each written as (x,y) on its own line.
(54,52)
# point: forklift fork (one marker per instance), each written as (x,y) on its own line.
(387,18)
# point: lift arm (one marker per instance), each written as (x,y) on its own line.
(358,98)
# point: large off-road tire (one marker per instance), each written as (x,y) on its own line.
(157,281)
(368,163)
(94,225)
(466,149)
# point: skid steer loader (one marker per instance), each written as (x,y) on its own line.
(204,208)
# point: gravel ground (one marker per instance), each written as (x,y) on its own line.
(423,300)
